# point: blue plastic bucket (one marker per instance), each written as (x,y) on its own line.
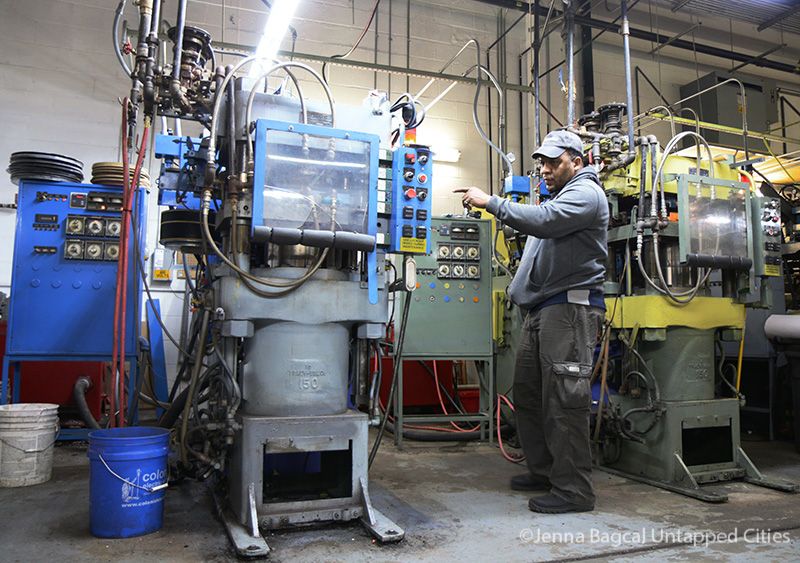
(128,477)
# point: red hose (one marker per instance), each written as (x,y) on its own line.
(121,293)
(127,203)
(441,403)
(509,457)
(115,328)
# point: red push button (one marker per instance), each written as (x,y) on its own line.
(422,178)
(411,158)
(410,193)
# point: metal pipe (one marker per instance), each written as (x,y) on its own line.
(447,65)
(489,112)
(231,127)
(177,54)
(537,94)
(115,37)
(744,107)
(644,144)
(569,24)
(626,46)
(152,51)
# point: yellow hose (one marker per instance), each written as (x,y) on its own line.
(741,354)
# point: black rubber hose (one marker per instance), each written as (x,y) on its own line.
(82,385)
(170,416)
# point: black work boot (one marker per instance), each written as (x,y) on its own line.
(526,482)
(551,504)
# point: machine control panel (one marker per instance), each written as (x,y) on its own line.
(408,203)
(454,286)
(64,271)
(767,236)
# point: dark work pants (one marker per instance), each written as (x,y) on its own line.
(552,396)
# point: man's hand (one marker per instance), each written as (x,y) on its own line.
(474,197)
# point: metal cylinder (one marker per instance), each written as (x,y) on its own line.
(296,369)
(676,276)
(683,364)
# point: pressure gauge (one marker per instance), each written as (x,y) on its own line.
(94,251)
(75,226)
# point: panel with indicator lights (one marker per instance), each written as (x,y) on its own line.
(451,309)
(64,270)
(410,211)
(767,236)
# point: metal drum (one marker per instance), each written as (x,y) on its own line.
(296,369)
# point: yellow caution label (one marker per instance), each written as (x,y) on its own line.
(409,244)
(162,274)
(772,270)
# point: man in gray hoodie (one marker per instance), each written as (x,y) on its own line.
(558,286)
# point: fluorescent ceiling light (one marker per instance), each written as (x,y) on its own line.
(274,30)
(446,154)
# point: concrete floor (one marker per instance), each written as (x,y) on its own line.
(452,501)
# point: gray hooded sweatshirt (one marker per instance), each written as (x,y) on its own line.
(566,248)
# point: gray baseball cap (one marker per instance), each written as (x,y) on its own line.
(556,142)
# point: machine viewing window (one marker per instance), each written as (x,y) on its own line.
(717,226)
(315,182)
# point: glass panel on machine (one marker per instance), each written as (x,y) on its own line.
(717,220)
(315,182)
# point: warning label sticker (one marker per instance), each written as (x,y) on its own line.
(408,244)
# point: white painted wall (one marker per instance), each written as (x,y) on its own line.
(59,79)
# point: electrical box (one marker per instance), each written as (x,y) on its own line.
(451,311)
(64,270)
(410,216)
(766,236)
(724,105)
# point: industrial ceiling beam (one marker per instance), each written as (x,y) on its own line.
(757,57)
(675,38)
(678,5)
(775,19)
(654,37)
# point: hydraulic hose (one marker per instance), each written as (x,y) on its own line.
(115,36)
(198,365)
(679,297)
(82,385)
(398,359)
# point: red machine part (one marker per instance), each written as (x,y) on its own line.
(419,389)
(52,382)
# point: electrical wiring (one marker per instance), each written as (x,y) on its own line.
(393,389)
(357,43)
(150,300)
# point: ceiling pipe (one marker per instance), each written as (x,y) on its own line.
(656,38)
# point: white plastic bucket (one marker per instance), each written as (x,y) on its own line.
(27,434)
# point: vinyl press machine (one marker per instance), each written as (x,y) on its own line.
(692,243)
(290,218)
